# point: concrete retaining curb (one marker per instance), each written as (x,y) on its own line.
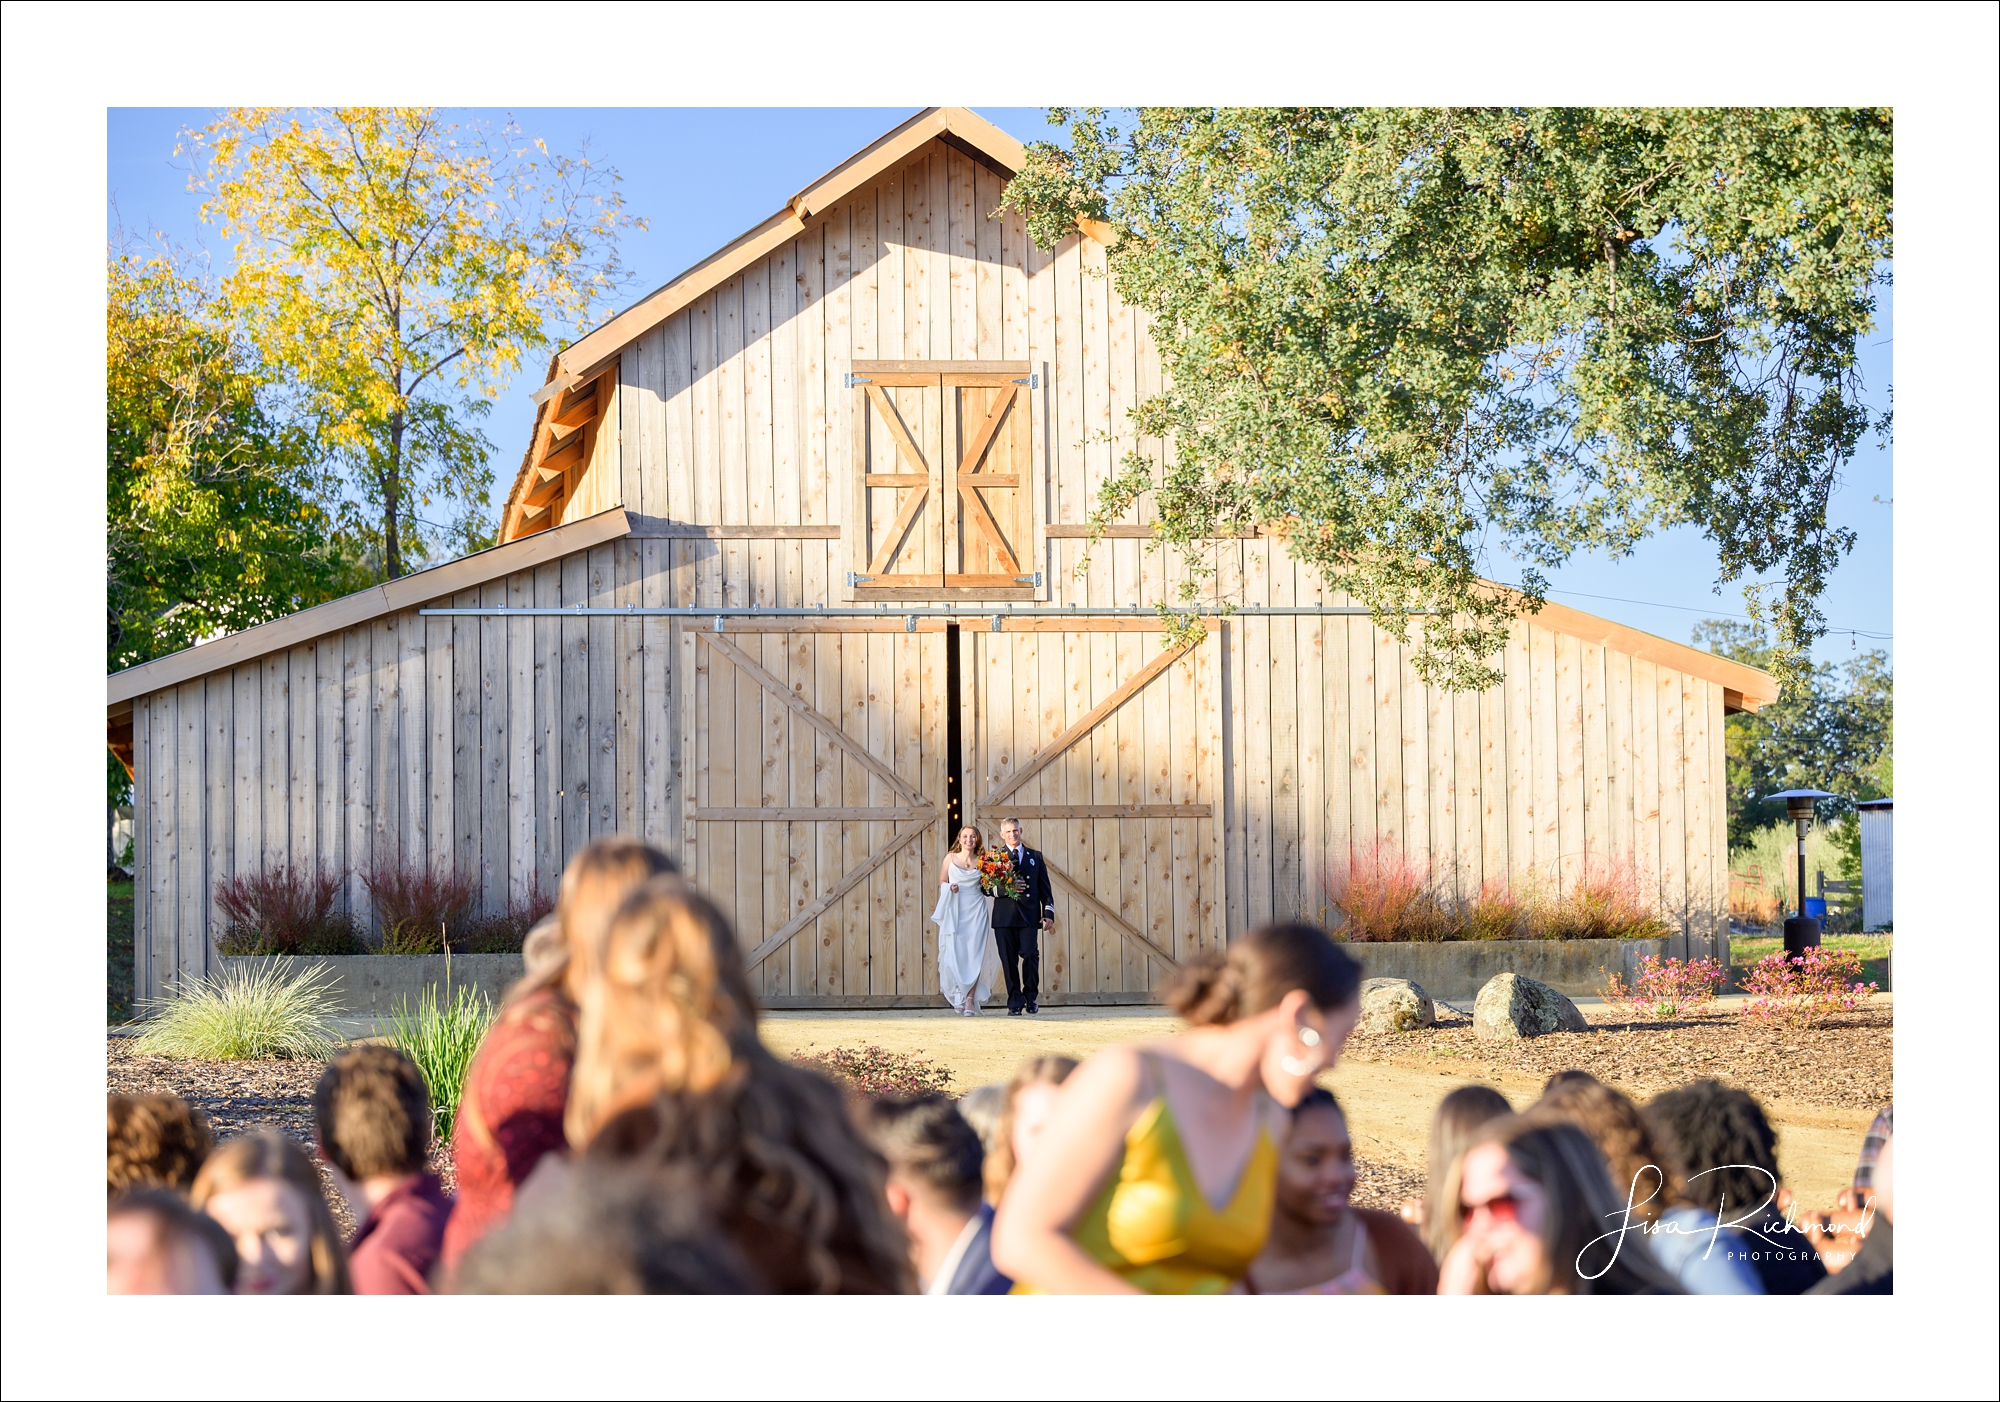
(376,983)
(1460,968)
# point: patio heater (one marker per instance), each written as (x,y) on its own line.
(1801,930)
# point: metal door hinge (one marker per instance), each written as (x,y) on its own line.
(1032,382)
(1034,579)
(854,579)
(854,380)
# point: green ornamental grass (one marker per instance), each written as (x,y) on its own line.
(441,1035)
(246,1015)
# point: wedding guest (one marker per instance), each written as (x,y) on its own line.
(1027,1103)
(1320,1243)
(372,1112)
(1156,1171)
(155,1244)
(1872,1271)
(1648,1176)
(933,1189)
(1458,1117)
(596,1228)
(266,1194)
(511,1112)
(982,1107)
(1728,1151)
(1531,1211)
(1018,922)
(153,1141)
(670,1073)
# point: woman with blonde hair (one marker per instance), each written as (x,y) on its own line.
(1024,1112)
(670,1074)
(1530,1210)
(1157,1170)
(264,1191)
(967,956)
(511,1113)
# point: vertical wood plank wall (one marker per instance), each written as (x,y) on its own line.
(505,745)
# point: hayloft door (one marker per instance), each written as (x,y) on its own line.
(941,504)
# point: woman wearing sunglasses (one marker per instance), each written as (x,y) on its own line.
(1157,1170)
(1531,1211)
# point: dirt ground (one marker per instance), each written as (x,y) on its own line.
(1820,1089)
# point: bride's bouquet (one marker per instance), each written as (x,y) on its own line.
(997,876)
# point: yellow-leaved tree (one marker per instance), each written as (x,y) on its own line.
(392,268)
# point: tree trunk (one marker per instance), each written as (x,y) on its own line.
(392,483)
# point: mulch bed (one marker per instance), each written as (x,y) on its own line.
(1848,1062)
(1384,1185)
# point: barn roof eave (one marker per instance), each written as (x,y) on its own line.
(363,606)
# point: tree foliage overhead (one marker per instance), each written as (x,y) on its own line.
(214,519)
(1412,335)
(395,267)
(1836,731)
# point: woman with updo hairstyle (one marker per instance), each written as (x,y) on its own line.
(670,1074)
(511,1115)
(1156,1171)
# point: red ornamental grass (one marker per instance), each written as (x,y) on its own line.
(1805,989)
(286,910)
(417,905)
(1603,902)
(1387,894)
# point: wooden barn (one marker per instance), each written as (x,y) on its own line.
(788,584)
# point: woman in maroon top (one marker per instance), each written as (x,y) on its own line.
(517,1087)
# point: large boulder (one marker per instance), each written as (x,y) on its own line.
(1510,1007)
(1394,1005)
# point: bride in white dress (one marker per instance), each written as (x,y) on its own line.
(967,958)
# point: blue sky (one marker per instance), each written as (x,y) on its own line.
(701,176)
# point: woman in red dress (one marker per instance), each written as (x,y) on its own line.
(511,1114)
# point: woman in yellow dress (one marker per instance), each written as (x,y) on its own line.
(1157,1169)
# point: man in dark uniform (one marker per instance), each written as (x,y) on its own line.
(1018,924)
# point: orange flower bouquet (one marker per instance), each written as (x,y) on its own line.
(997,876)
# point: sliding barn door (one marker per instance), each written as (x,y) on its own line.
(1108,749)
(816,772)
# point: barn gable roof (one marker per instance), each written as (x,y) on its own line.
(364,605)
(583,362)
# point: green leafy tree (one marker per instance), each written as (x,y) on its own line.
(394,267)
(1411,335)
(214,519)
(1835,732)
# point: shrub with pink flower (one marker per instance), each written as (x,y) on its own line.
(1805,989)
(1667,988)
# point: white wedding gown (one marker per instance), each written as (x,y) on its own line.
(967,956)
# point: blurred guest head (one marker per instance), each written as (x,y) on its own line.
(982,1107)
(1316,1169)
(598,1228)
(1027,1101)
(265,1192)
(1726,1148)
(565,953)
(934,1162)
(153,1141)
(1458,1118)
(372,1113)
(1287,987)
(669,1070)
(1641,1168)
(1532,1212)
(155,1244)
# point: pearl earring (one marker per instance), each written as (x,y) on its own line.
(1308,1036)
